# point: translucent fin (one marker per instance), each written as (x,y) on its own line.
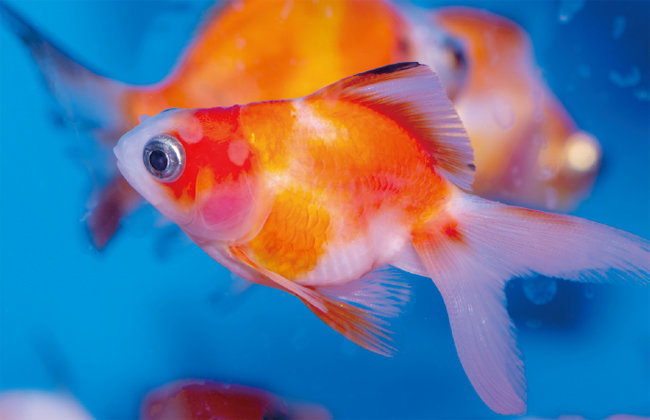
(411,94)
(85,99)
(356,310)
(477,245)
(116,200)
(381,292)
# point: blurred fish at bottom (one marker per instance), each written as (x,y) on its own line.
(527,148)
(196,399)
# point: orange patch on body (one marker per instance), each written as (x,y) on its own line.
(294,235)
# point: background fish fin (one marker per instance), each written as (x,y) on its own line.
(476,246)
(85,100)
(412,95)
(116,200)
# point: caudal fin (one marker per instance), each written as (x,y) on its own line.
(477,245)
(87,102)
(85,99)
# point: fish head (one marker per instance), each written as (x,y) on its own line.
(195,168)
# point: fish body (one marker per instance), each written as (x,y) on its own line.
(257,50)
(315,196)
(194,399)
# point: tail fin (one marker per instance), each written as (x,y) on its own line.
(86,100)
(477,245)
(89,102)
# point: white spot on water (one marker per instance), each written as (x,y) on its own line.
(568,8)
(618,27)
(328,11)
(626,80)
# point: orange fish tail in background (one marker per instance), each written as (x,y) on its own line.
(88,102)
(528,149)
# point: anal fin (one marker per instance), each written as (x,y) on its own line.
(357,310)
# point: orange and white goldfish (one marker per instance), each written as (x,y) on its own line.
(258,50)
(314,196)
(527,148)
(196,399)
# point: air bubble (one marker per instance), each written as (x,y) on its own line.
(568,8)
(540,290)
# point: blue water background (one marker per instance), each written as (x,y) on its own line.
(147,311)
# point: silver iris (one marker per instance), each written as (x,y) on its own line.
(164,157)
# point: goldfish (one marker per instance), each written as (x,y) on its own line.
(196,399)
(528,149)
(256,50)
(326,195)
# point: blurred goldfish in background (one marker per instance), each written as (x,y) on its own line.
(259,50)
(527,148)
(195,399)
(315,195)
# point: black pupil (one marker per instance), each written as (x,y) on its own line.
(158,160)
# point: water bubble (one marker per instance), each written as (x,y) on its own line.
(584,71)
(539,290)
(642,95)
(618,27)
(568,8)
(589,291)
(626,80)
(534,323)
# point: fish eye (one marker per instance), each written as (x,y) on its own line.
(164,157)
(456,55)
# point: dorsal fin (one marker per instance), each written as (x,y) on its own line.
(411,94)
